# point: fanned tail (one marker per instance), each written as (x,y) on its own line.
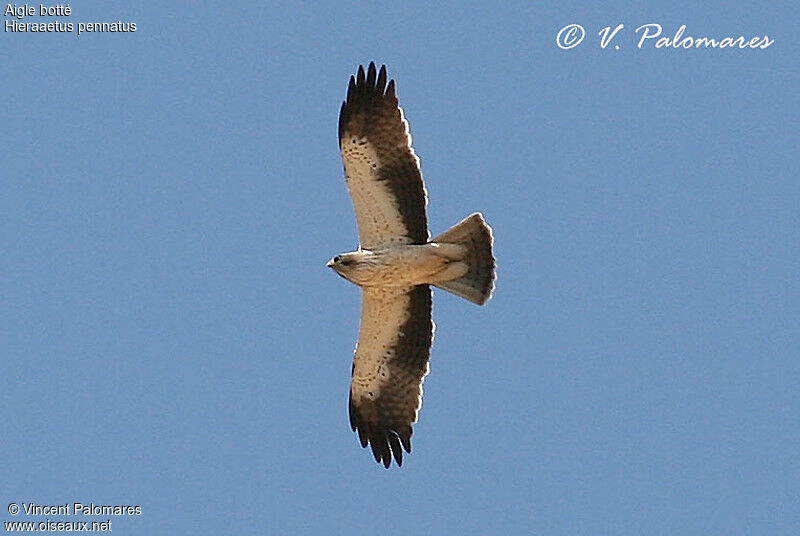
(478,283)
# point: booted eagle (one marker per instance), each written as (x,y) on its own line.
(395,265)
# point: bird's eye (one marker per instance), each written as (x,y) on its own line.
(336,259)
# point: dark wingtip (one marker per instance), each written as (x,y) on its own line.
(397,451)
(381,84)
(386,443)
(405,437)
(365,90)
(369,81)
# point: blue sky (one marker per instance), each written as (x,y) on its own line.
(171,338)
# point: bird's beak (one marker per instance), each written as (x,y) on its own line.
(329,264)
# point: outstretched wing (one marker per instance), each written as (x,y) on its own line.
(390,364)
(382,171)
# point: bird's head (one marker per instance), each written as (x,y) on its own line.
(352,266)
(342,264)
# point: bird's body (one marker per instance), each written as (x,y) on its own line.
(395,265)
(403,266)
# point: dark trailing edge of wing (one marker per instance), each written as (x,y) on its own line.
(371,111)
(385,422)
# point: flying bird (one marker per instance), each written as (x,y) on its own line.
(395,265)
